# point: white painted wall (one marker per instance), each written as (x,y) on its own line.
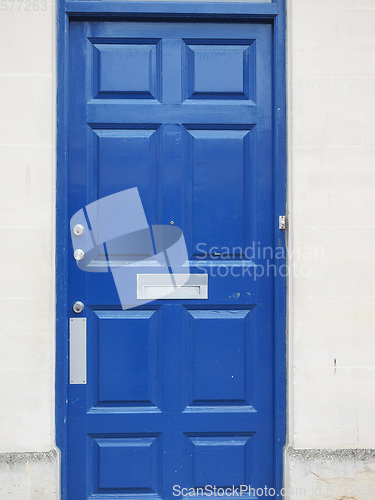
(27,228)
(331,87)
(331,167)
(332,200)
(27,180)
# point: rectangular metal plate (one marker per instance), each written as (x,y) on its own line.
(77,350)
(172,286)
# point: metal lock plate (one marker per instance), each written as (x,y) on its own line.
(77,350)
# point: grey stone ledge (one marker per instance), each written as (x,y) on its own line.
(322,455)
(29,456)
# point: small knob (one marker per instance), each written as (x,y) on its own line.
(78,307)
(78,254)
(78,229)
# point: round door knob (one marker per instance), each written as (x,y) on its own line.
(78,229)
(78,254)
(78,307)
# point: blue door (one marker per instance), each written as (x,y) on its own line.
(179,395)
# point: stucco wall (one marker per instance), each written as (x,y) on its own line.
(27,180)
(331,196)
(331,93)
(331,179)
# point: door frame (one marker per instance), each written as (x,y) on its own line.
(274,13)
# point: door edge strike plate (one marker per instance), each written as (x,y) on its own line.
(77,350)
(282,222)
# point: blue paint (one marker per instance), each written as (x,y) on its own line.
(62,243)
(280,158)
(211,422)
(179,9)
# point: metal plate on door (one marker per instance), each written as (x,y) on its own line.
(172,286)
(77,350)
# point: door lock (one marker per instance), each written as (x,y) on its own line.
(78,307)
(78,254)
(78,229)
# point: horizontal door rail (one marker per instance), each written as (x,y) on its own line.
(171,9)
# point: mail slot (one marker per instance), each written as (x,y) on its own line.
(172,286)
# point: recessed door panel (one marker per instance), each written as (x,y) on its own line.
(224,460)
(125,368)
(220,357)
(138,478)
(127,70)
(219,70)
(219,163)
